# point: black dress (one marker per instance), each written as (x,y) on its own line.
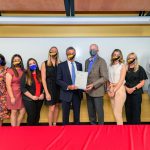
(133,101)
(53,88)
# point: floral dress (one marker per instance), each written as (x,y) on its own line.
(3,95)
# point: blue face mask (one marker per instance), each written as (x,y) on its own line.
(93,52)
(33,67)
(1,61)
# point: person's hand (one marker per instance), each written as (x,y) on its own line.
(89,87)
(111,94)
(130,90)
(41,97)
(72,87)
(48,97)
(12,100)
(34,98)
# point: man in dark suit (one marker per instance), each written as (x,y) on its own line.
(69,94)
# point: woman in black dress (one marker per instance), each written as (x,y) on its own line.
(49,72)
(135,80)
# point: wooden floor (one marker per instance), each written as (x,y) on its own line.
(107,111)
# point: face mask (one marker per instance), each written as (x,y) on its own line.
(131,61)
(1,61)
(116,58)
(71,56)
(33,67)
(93,52)
(16,63)
(53,54)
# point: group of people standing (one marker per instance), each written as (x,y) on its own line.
(25,90)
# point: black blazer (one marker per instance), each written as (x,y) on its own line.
(64,79)
(30,88)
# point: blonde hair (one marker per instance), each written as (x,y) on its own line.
(49,61)
(136,61)
(121,56)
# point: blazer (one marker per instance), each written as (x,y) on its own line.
(64,79)
(30,88)
(98,76)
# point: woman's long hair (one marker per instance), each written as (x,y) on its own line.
(13,66)
(121,56)
(29,72)
(49,62)
(136,61)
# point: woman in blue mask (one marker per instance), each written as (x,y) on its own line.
(3,90)
(32,89)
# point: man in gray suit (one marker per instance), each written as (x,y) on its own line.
(97,77)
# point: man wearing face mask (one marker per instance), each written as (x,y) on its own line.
(69,94)
(97,77)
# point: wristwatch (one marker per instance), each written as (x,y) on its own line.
(135,88)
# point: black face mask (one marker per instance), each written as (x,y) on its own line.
(131,61)
(115,58)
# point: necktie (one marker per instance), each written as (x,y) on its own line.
(73,73)
(90,66)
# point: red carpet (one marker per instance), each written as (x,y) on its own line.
(107,137)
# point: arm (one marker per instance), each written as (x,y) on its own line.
(60,81)
(104,75)
(122,78)
(43,75)
(9,88)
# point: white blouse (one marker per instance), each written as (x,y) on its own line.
(115,72)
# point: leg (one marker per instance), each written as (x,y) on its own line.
(120,98)
(31,111)
(91,109)
(72,7)
(38,110)
(129,108)
(56,114)
(137,99)
(99,109)
(13,117)
(67,7)
(1,122)
(76,108)
(51,114)
(20,116)
(66,112)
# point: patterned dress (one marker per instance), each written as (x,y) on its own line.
(4,114)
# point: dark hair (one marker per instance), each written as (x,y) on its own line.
(3,60)
(69,48)
(13,66)
(29,73)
